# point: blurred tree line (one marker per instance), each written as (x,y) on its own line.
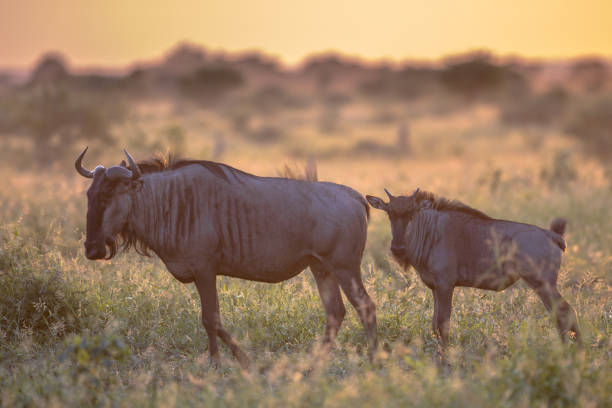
(56,108)
(52,112)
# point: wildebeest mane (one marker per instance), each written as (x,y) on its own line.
(161,163)
(444,204)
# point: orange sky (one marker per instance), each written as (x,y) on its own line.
(118,32)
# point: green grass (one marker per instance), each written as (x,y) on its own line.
(125,333)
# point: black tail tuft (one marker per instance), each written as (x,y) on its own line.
(558,225)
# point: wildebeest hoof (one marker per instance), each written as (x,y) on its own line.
(215,362)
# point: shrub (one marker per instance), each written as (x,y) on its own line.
(477,76)
(89,352)
(589,74)
(561,172)
(592,125)
(92,366)
(407,84)
(208,84)
(542,110)
(272,99)
(265,134)
(35,297)
(55,116)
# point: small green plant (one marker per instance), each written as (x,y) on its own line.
(92,359)
(88,353)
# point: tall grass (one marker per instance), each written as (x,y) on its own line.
(125,333)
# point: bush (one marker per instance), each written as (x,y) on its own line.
(408,84)
(476,76)
(272,99)
(265,134)
(592,125)
(589,74)
(542,110)
(92,363)
(55,116)
(89,352)
(561,171)
(35,298)
(208,84)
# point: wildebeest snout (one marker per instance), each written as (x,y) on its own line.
(95,250)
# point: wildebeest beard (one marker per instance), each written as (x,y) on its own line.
(111,244)
(402,259)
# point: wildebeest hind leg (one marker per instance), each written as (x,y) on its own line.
(350,281)
(332,302)
(564,315)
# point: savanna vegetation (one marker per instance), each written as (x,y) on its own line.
(515,139)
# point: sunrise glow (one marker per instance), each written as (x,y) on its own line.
(115,33)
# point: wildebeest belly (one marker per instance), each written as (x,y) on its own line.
(271,272)
(488,272)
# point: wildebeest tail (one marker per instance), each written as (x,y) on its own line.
(557,226)
(367,207)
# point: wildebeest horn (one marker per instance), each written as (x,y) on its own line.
(79,167)
(135,169)
(116,172)
(389,194)
(415,191)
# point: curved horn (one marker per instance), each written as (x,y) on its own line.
(79,167)
(415,191)
(116,172)
(135,169)
(389,194)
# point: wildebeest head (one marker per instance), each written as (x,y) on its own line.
(108,204)
(400,211)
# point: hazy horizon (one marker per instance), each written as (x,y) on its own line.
(160,57)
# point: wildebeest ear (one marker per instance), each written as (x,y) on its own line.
(376,202)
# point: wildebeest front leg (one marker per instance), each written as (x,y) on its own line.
(211,320)
(443,300)
(207,290)
(237,352)
(332,302)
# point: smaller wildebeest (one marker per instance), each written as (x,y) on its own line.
(205,219)
(451,244)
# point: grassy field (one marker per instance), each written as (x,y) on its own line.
(125,333)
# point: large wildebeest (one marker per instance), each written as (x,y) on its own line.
(205,219)
(451,244)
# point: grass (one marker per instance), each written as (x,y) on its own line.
(125,333)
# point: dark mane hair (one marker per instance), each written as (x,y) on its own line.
(160,163)
(170,161)
(444,204)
